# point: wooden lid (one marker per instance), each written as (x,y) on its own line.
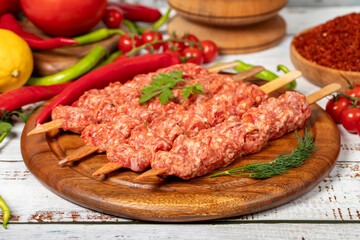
(234,40)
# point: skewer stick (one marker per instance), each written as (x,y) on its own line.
(222,66)
(79,154)
(312,98)
(150,173)
(248,73)
(325,91)
(280,81)
(107,168)
(46,127)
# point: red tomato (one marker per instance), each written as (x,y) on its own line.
(9,6)
(210,50)
(64,17)
(128,41)
(175,53)
(149,36)
(113,17)
(189,38)
(194,55)
(358,127)
(355,92)
(335,109)
(350,118)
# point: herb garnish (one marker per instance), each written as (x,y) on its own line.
(281,164)
(163,84)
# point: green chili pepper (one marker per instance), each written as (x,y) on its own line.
(97,35)
(131,26)
(73,72)
(266,74)
(6,211)
(158,23)
(110,59)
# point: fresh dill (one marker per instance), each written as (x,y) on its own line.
(163,84)
(281,164)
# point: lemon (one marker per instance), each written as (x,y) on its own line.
(16,61)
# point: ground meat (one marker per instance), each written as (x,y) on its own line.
(122,122)
(74,119)
(101,135)
(166,128)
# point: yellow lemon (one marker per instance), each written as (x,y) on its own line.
(16,61)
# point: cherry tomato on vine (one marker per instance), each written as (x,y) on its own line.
(209,51)
(128,41)
(150,36)
(335,108)
(194,55)
(350,118)
(113,17)
(354,92)
(189,38)
(173,45)
(175,53)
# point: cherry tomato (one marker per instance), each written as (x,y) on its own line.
(64,17)
(173,46)
(194,55)
(355,92)
(128,41)
(335,108)
(210,50)
(189,38)
(358,127)
(350,118)
(175,53)
(113,17)
(150,36)
(9,6)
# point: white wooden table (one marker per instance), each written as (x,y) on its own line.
(330,210)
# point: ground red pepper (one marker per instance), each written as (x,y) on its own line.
(334,44)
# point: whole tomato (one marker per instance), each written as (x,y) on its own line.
(64,17)
(190,38)
(9,6)
(335,107)
(354,92)
(150,36)
(193,55)
(128,41)
(350,118)
(209,51)
(113,17)
(173,45)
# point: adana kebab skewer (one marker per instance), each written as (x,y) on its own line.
(237,138)
(58,123)
(141,162)
(100,145)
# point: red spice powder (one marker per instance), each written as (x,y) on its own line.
(334,44)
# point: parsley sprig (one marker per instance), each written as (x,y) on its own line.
(163,84)
(281,164)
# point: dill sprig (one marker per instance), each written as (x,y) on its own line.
(281,164)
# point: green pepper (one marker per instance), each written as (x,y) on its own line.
(6,211)
(73,72)
(266,74)
(97,35)
(158,23)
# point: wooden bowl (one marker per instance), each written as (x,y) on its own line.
(321,75)
(227,12)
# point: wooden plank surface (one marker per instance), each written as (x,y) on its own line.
(330,210)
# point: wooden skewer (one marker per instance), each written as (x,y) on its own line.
(79,154)
(312,98)
(279,82)
(107,168)
(46,127)
(222,66)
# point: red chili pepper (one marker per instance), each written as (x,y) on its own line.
(17,98)
(122,71)
(137,12)
(7,21)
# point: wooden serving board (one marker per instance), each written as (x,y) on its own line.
(173,199)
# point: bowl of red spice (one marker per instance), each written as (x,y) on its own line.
(329,52)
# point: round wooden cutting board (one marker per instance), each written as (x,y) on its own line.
(173,199)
